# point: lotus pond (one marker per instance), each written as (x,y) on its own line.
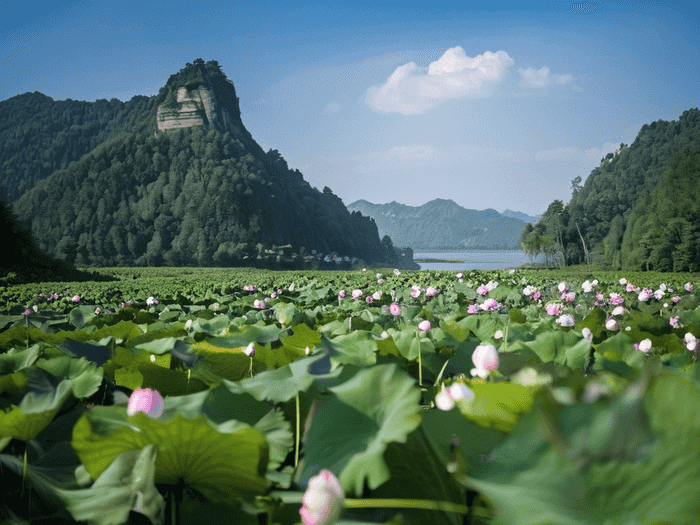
(517,397)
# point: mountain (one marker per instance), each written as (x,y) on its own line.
(527,219)
(173,179)
(638,210)
(442,224)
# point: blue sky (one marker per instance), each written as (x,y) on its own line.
(495,106)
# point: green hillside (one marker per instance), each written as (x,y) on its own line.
(187,185)
(616,217)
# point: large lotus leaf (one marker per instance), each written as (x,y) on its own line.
(221,362)
(416,473)
(473,441)
(284,383)
(128,483)
(497,405)
(483,326)
(85,376)
(165,344)
(538,477)
(222,461)
(455,328)
(302,338)
(38,407)
(356,348)
(350,430)
(98,354)
(564,348)
(619,348)
(410,344)
(82,315)
(14,360)
(594,321)
(222,404)
(287,314)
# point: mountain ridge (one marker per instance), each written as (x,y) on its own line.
(200,192)
(442,224)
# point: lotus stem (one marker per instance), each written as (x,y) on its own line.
(296,445)
(426,504)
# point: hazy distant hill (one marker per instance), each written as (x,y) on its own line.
(443,224)
(528,219)
(172,179)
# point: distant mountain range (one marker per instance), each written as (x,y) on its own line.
(444,225)
(528,219)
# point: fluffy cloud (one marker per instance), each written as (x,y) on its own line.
(541,78)
(412,90)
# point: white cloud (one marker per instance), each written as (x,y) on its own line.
(541,78)
(412,90)
(332,107)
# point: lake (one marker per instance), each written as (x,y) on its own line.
(473,260)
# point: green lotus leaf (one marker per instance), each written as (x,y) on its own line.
(497,405)
(564,348)
(85,376)
(223,461)
(14,360)
(540,474)
(126,484)
(350,430)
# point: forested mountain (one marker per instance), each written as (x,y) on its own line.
(443,224)
(522,216)
(174,179)
(623,215)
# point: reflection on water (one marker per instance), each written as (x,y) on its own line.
(474,260)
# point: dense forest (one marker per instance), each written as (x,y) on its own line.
(120,192)
(638,210)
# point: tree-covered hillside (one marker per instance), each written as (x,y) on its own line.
(202,195)
(595,222)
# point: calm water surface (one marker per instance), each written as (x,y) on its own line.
(473,260)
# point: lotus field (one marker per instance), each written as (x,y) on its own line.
(190,396)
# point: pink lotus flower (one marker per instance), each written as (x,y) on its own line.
(498,335)
(472,309)
(380,281)
(356,293)
(644,346)
(424,326)
(369,300)
(554,308)
(616,298)
(250,350)
(566,320)
(631,287)
(341,293)
(569,297)
(258,304)
(323,500)
(644,295)
(75,298)
(536,295)
(673,321)
(485,359)
(97,311)
(445,400)
(587,334)
(431,291)
(490,304)
(27,312)
(675,298)
(612,325)
(146,400)
(688,287)
(415,293)
(491,285)
(482,290)
(395,309)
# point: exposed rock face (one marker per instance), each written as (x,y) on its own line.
(194,108)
